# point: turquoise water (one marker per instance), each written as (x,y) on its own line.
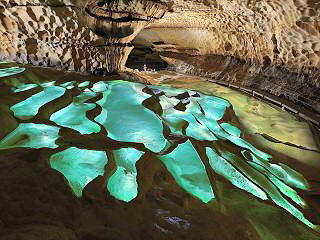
(5,72)
(74,117)
(29,107)
(31,135)
(123,184)
(79,166)
(154,116)
(186,167)
(128,120)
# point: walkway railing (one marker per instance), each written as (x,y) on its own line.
(302,109)
(283,103)
(309,102)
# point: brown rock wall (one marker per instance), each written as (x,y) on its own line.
(300,88)
(285,31)
(61,34)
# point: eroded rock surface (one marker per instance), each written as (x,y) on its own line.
(73,35)
(270,45)
(281,32)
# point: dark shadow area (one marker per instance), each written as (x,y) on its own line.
(141,56)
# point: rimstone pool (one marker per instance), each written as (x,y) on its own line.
(103,129)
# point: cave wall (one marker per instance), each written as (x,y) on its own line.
(285,32)
(61,34)
(277,80)
(269,45)
(272,45)
(78,35)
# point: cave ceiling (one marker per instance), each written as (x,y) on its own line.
(279,32)
(270,45)
(73,35)
(286,31)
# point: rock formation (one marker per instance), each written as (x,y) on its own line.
(272,45)
(73,35)
(275,32)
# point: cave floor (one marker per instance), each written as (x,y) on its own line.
(86,157)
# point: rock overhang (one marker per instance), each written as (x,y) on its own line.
(267,38)
(270,45)
(287,32)
(74,35)
(119,19)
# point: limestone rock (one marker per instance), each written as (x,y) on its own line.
(270,45)
(57,33)
(287,32)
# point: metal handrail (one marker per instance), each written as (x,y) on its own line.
(300,102)
(290,97)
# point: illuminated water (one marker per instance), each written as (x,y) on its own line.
(153,116)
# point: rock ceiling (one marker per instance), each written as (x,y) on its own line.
(271,45)
(280,32)
(73,35)
(283,32)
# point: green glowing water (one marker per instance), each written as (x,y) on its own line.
(123,184)
(153,116)
(186,167)
(25,87)
(32,136)
(73,116)
(128,120)
(224,168)
(5,72)
(79,166)
(29,107)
